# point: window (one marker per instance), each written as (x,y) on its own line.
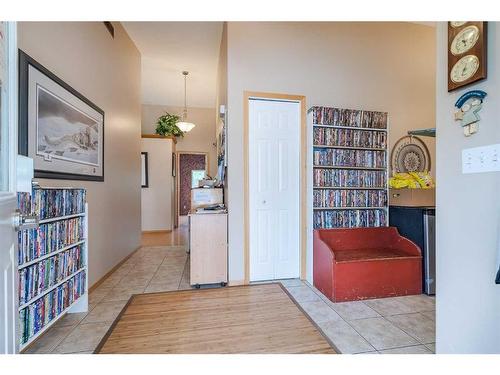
(196,176)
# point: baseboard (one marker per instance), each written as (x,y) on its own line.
(108,274)
(156,231)
(236,282)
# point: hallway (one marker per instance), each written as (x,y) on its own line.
(389,325)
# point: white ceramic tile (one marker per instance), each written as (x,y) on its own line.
(85,337)
(388,306)
(161,287)
(123,292)
(382,334)
(431,347)
(319,311)
(418,303)
(416,349)
(344,337)
(303,294)
(429,315)
(291,282)
(354,310)
(417,325)
(49,340)
(70,320)
(104,312)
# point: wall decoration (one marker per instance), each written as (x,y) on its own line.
(222,146)
(469,105)
(174,165)
(144,170)
(221,137)
(467,44)
(59,128)
(410,154)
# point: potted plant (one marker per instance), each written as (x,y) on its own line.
(167,125)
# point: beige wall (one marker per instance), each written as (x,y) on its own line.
(106,71)
(200,139)
(374,66)
(157,199)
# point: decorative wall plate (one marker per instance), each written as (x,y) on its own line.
(410,154)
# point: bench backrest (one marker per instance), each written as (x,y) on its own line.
(366,238)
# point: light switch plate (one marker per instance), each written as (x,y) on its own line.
(481,159)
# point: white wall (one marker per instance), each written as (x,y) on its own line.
(468,217)
(373,66)
(157,198)
(108,72)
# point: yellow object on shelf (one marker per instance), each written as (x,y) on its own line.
(411,180)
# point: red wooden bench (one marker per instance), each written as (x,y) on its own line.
(361,263)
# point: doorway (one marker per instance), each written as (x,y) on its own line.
(274,181)
(191,166)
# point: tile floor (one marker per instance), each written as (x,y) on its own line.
(390,325)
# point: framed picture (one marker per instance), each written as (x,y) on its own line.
(59,128)
(144,170)
(174,165)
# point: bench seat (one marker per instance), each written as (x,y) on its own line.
(362,263)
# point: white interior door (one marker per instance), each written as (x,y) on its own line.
(274,192)
(8,201)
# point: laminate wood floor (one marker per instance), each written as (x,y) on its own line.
(247,319)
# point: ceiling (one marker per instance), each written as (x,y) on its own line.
(168,48)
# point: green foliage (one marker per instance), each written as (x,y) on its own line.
(167,125)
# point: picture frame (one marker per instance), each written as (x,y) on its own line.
(144,170)
(59,128)
(174,165)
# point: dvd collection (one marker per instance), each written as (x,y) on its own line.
(349,178)
(349,198)
(24,202)
(349,218)
(40,313)
(349,158)
(49,203)
(349,117)
(349,138)
(43,275)
(49,237)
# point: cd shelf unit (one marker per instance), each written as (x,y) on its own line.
(52,260)
(349,168)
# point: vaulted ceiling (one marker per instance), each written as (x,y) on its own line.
(168,48)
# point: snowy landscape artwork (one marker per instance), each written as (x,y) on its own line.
(59,128)
(64,132)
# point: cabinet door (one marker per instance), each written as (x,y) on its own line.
(208,258)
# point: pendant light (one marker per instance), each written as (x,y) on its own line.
(184,125)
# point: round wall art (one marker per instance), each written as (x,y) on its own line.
(410,154)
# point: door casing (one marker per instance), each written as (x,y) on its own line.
(8,204)
(303,175)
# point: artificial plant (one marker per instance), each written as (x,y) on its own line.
(167,125)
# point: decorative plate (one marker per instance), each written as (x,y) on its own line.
(410,154)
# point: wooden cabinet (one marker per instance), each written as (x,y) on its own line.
(412,197)
(208,248)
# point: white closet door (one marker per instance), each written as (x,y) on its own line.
(274,200)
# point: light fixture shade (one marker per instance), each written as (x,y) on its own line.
(185,126)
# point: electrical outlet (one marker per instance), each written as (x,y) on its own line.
(481,159)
